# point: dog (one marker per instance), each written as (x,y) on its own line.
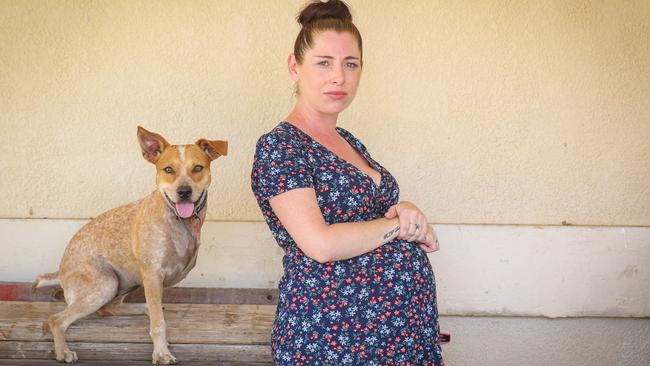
(151,243)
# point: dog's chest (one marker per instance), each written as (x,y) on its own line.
(181,252)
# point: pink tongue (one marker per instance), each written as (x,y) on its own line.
(185,209)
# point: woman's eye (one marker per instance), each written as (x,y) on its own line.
(169,170)
(197,169)
(323,63)
(351,65)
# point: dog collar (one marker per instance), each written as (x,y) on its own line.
(202,201)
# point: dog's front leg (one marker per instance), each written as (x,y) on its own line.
(153,287)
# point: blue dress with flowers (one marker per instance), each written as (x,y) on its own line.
(378,308)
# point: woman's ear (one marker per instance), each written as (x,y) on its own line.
(293,67)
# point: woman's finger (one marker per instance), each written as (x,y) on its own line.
(412,231)
(434,239)
(423,229)
(405,225)
(435,244)
(392,212)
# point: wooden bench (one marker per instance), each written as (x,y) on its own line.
(215,326)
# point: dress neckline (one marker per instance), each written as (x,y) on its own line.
(363,154)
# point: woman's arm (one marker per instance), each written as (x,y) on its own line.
(414,226)
(299,213)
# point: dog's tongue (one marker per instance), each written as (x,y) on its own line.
(185,209)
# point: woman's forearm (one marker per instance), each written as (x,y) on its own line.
(301,216)
(350,239)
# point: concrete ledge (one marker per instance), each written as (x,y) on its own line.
(522,341)
(552,271)
(481,270)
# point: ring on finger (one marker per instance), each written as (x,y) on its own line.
(417,227)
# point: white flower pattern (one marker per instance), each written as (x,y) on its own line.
(375,309)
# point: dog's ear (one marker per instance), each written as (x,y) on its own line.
(152,144)
(214,149)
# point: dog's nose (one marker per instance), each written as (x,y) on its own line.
(184,192)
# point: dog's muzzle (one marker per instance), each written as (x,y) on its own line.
(187,209)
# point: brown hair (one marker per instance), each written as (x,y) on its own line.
(319,16)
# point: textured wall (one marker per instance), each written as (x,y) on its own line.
(527,112)
(487,112)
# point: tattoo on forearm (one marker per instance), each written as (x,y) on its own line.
(390,233)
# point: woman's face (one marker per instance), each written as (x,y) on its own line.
(330,71)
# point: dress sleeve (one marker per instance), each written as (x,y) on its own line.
(279,165)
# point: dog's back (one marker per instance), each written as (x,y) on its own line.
(104,242)
(100,241)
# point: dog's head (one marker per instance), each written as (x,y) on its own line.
(182,171)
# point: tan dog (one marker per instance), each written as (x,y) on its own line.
(152,242)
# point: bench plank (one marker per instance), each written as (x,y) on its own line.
(186,323)
(138,351)
(23,291)
(33,362)
(228,327)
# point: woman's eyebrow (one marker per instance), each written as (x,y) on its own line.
(331,57)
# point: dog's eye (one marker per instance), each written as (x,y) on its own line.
(169,170)
(197,169)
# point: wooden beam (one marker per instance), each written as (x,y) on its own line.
(23,291)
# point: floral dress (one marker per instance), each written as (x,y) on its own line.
(378,308)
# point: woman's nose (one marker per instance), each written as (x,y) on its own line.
(338,76)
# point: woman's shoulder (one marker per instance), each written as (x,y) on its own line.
(281,134)
(282,138)
(282,131)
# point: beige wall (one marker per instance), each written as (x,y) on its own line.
(500,119)
(528,112)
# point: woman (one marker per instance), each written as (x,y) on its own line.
(358,288)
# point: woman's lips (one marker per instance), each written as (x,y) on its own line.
(336,95)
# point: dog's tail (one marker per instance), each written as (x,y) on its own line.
(47,280)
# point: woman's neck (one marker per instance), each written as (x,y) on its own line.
(313,122)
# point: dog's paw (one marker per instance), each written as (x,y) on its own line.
(67,357)
(163,358)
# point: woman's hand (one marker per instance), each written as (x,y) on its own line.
(430,243)
(414,226)
(412,221)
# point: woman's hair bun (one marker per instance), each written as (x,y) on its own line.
(320,9)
